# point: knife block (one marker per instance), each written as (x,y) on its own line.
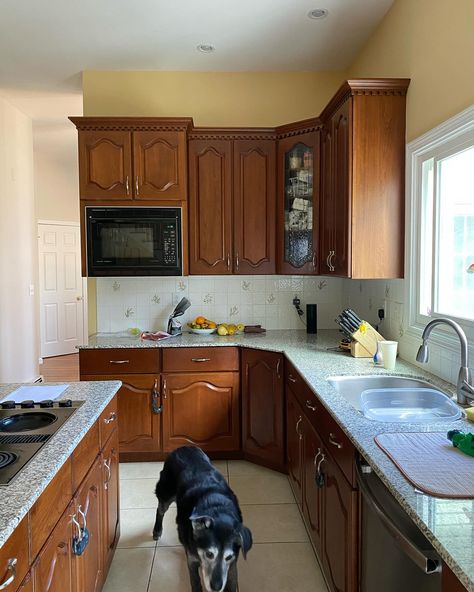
(365,342)
(359,351)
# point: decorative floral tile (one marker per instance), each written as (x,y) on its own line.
(156,299)
(246,285)
(271,299)
(129,312)
(208,299)
(234,310)
(116,286)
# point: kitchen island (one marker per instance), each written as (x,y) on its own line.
(447,524)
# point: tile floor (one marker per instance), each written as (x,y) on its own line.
(281,559)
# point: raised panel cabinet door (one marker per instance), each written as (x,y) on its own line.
(254,206)
(339,540)
(294,444)
(298,204)
(342,150)
(159,165)
(263,407)
(327,200)
(105,165)
(53,569)
(210,207)
(138,410)
(312,456)
(87,514)
(201,409)
(110,499)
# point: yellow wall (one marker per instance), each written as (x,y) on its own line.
(211,98)
(431,42)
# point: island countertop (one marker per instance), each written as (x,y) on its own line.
(18,497)
(448,524)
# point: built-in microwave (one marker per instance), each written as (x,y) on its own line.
(136,241)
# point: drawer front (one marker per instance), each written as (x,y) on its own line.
(108,421)
(84,455)
(305,396)
(201,359)
(14,557)
(119,361)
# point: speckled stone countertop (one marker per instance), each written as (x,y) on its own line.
(448,524)
(17,498)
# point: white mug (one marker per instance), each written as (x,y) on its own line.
(389,353)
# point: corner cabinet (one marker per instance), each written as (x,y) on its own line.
(363,180)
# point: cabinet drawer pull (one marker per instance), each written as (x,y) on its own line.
(228,261)
(237,262)
(334,442)
(11,569)
(109,472)
(136,186)
(156,402)
(200,359)
(310,406)
(127,186)
(291,378)
(84,517)
(112,417)
(278,368)
(119,361)
(300,419)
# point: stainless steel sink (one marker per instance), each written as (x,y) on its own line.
(402,403)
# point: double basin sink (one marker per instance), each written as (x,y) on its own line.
(396,399)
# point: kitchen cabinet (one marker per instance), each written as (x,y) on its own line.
(263,408)
(294,446)
(15,549)
(132,159)
(27,584)
(232,204)
(362,180)
(110,499)
(298,203)
(201,408)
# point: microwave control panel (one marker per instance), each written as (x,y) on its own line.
(169,244)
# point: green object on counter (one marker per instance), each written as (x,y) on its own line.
(465,442)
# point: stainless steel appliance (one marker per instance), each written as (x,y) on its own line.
(136,241)
(394,554)
(25,428)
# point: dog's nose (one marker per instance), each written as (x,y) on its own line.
(217,584)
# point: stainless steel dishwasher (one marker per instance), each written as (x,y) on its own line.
(394,555)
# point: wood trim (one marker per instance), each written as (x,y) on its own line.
(172,124)
(232,133)
(298,127)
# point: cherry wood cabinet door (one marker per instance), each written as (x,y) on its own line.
(27,584)
(201,409)
(312,492)
(105,165)
(294,443)
(327,200)
(53,569)
(339,541)
(87,510)
(159,159)
(210,207)
(254,199)
(110,499)
(263,408)
(138,410)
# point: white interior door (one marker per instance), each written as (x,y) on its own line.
(60,284)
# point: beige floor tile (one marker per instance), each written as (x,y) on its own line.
(130,570)
(275,523)
(137,493)
(285,567)
(136,527)
(170,571)
(271,488)
(221,466)
(242,467)
(140,470)
(169,538)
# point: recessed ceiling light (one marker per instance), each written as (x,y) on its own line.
(318,13)
(206,48)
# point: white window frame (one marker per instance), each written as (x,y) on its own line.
(452,135)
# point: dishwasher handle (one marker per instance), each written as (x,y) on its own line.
(427,562)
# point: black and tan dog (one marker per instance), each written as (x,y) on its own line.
(209,519)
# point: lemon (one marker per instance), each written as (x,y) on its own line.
(240,327)
(222,330)
(232,330)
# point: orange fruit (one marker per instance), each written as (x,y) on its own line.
(200,320)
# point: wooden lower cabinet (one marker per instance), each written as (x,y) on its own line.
(110,499)
(27,584)
(312,455)
(294,446)
(201,409)
(263,408)
(53,569)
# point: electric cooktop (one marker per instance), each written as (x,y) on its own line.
(25,427)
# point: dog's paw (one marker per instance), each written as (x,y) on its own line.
(157,534)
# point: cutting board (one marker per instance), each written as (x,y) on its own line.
(431,463)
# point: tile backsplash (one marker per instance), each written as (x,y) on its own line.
(267,300)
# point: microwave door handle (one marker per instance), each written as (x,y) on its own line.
(420,558)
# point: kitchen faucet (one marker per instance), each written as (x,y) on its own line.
(465,386)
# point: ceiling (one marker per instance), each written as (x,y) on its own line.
(45,45)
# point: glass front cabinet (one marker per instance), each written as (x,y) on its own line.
(298,198)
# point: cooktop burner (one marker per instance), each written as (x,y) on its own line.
(7,458)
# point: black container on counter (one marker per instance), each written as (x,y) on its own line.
(311,318)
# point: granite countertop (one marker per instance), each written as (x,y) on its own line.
(448,524)
(17,498)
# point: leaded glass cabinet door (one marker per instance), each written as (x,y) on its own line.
(298,161)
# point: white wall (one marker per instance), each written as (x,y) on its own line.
(18,248)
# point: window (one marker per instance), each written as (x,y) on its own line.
(441,249)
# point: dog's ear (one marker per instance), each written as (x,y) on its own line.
(201,522)
(245,539)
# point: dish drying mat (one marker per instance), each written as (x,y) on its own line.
(431,463)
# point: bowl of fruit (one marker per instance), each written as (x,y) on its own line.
(202,326)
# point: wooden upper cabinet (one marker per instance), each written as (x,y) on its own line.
(105,165)
(210,207)
(254,206)
(159,165)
